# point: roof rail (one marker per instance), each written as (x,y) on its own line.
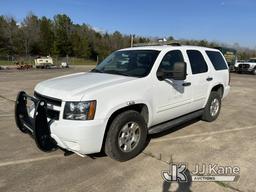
(171,43)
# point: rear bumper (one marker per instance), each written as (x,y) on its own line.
(82,137)
(226,91)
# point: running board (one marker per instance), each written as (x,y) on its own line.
(175,122)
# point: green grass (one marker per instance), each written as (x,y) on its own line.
(80,61)
(6,62)
(2,62)
(57,61)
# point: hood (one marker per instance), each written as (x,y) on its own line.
(73,87)
(251,63)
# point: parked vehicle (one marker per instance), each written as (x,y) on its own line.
(20,65)
(246,66)
(44,62)
(64,65)
(134,92)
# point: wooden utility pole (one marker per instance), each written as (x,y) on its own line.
(132,37)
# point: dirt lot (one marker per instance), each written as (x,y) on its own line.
(231,140)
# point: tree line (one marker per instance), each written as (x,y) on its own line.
(59,36)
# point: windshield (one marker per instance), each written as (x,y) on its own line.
(252,60)
(134,63)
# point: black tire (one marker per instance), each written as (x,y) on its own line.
(254,71)
(207,116)
(112,148)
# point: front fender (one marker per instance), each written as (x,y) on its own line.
(130,103)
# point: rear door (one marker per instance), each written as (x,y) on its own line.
(220,67)
(201,78)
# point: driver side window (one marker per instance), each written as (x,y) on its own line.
(170,59)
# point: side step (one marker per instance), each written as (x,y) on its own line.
(175,122)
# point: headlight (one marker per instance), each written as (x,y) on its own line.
(83,110)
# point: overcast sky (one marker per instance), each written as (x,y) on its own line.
(228,21)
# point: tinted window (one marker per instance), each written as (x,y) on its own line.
(170,59)
(217,60)
(134,63)
(252,60)
(197,62)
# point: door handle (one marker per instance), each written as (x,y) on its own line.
(186,84)
(209,79)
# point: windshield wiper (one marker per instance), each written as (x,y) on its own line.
(96,70)
(109,72)
(116,72)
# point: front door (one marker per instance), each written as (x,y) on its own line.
(173,97)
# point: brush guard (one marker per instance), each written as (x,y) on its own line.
(37,126)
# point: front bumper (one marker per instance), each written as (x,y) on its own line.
(244,68)
(82,137)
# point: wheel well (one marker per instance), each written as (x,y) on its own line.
(219,88)
(140,108)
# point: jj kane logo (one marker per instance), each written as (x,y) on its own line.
(202,172)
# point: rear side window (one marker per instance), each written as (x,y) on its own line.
(217,60)
(197,62)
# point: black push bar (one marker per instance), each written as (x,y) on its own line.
(37,126)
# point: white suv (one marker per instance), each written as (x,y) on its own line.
(132,93)
(246,66)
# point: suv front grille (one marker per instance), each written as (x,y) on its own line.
(244,66)
(51,113)
(50,100)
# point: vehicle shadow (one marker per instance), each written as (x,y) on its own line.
(92,156)
(182,186)
(177,85)
(169,131)
(97,155)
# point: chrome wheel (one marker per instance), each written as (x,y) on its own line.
(214,108)
(129,136)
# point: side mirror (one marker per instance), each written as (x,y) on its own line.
(161,75)
(179,71)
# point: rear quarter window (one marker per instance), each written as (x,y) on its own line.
(217,60)
(197,62)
